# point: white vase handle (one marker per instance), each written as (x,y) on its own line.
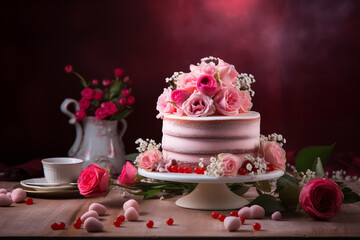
(79,131)
(123,129)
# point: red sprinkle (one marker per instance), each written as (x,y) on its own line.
(270,168)
(62,225)
(170,221)
(150,224)
(222,217)
(257,226)
(77,225)
(242,219)
(242,171)
(180,170)
(29,201)
(174,168)
(187,170)
(215,215)
(117,223)
(234,214)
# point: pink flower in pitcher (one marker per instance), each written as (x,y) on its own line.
(93,181)
(95,82)
(207,85)
(80,114)
(122,101)
(84,103)
(68,68)
(321,198)
(228,101)
(273,154)
(118,72)
(88,93)
(101,113)
(198,105)
(230,163)
(228,73)
(110,108)
(130,100)
(125,92)
(187,81)
(97,95)
(128,174)
(149,159)
(107,82)
(179,96)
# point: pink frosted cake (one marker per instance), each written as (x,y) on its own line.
(208,127)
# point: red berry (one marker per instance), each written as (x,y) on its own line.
(222,217)
(29,201)
(174,168)
(55,226)
(242,219)
(180,170)
(77,225)
(121,218)
(234,214)
(270,168)
(150,224)
(62,225)
(170,221)
(215,215)
(257,226)
(78,220)
(203,170)
(242,171)
(197,170)
(117,223)
(187,170)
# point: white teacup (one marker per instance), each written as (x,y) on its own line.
(61,170)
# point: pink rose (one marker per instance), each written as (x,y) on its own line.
(231,164)
(100,113)
(149,159)
(95,82)
(84,103)
(246,103)
(107,82)
(198,105)
(130,100)
(93,181)
(207,85)
(273,154)
(203,68)
(163,104)
(228,73)
(109,107)
(187,81)
(125,92)
(321,198)
(97,96)
(80,114)
(179,96)
(122,101)
(128,174)
(118,72)
(228,101)
(87,93)
(68,68)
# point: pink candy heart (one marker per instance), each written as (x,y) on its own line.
(131,214)
(99,208)
(92,224)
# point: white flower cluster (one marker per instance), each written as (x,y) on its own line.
(211,60)
(215,169)
(258,163)
(172,81)
(146,144)
(244,82)
(340,175)
(274,137)
(306,177)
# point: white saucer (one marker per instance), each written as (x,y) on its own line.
(42,184)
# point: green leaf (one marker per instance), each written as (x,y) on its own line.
(290,195)
(131,156)
(286,181)
(269,203)
(349,195)
(306,156)
(238,188)
(263,186)
(318,168)
(122,114)
(149,193)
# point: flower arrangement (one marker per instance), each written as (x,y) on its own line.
(211,87)
(109,99)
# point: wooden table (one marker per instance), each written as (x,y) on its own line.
(33,221)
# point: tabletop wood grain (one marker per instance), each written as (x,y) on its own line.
(33,221)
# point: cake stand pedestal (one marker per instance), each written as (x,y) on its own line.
(211,193)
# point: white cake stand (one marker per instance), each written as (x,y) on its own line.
(211,193)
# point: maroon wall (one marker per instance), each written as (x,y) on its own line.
(303,54)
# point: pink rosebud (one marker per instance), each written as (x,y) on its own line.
(149,159)
(274,154)
(97,96)
(107,82)
(125,92)
(100,113)
(321,198)
(131,100)
(127,80)
(95,82)
(228,101)
(84,103)
(231,164)
(207,85)
(118,72)
(122,101)
(80,114)
(179,96)
(68,68)
(198,105)
(187,81)
(110,108)
(87,93)
(128,174)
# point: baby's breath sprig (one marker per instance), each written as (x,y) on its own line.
(172,81)
(214,169)
(210,60)
(146,144)
(244,82)
(257,163)
(274,137)
(306,177)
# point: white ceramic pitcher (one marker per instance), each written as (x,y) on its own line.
(97,141)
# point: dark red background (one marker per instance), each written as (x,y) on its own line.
(303,54)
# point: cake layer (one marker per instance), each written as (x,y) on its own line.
(186,139)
